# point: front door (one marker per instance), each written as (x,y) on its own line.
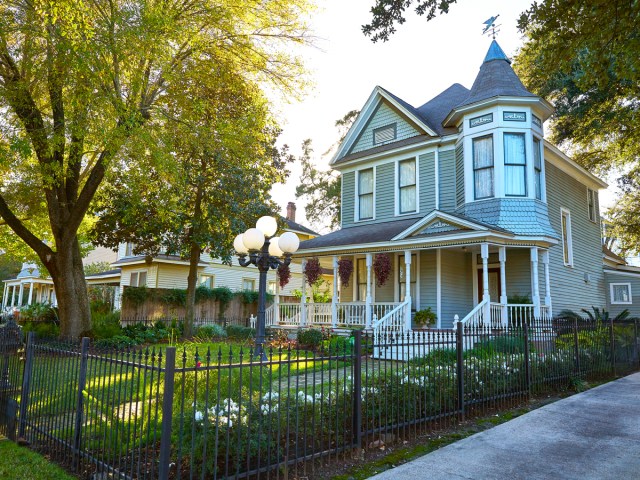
(494,284)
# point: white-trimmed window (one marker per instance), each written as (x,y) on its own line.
(384,134)
(537,167)
(567,240)
(620,293)
(483,167)
(271,287)
(128,249)
(515,165)
(591,202)
(407,186)
(365,194)
(206,281)
(248,284)
(138,279)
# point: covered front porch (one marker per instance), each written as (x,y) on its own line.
(481,284)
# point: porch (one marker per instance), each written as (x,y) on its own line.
(484,285)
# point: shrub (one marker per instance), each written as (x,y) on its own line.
(512,345)
(42,329)
(105,325)
(310,337)
(440,356)
(211,331)
(338,345)
(117,342)
(238,332)
(39,312)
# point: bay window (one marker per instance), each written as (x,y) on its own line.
(537,167)
(515,165)
(483,167)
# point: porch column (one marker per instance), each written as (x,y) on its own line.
(535,288)
(116,298)
(13,295)
(21,294)
(30,299)
(303,299)
(276,301)
(334,299)
(502,256)
(368,301)
(547,284)
(407,295)
(5,295)
(484,252)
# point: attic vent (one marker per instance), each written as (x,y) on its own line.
(384,134)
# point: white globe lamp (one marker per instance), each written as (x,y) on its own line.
(289,242)
(238,245)
(274,248)
(267,225)
(253,239)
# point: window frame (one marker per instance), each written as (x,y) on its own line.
(591,205)
(393,125)
(207,276)
(617,284)
(247,279)
(523,166)
(398,188)
(357,215)
(567,240)
(538,172)
(138,273)
(358,281)
(128,249)
(273,290)
(492,166)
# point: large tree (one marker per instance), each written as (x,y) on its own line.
(215,162)
(82,80)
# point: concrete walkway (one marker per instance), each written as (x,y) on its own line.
(591,435)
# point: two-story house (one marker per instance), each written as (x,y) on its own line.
(481,216)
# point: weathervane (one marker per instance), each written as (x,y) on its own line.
(491,27)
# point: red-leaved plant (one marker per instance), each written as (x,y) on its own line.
(345,269)
(312,270)
(382,268)
(284,275)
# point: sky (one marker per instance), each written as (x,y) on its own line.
(419,61)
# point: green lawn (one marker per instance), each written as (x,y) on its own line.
(20,463)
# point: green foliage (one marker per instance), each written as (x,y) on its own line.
(441,356)
(173,296)
(595,315)
(426,316)
(519,299)
(337,345)
(39,312)
(247,296)
(97,267)
(223,295)
(42,329)
(135,295)
(105,325)
(310,337)
(117,342)
(211,332)
(507,345)
(238,332)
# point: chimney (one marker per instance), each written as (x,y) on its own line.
(291,211)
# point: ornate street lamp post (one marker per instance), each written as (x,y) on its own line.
(265,252)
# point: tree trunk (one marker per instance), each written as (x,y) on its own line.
(194,260)
(67,273)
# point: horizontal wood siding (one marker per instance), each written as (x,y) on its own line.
(383,116)
(457,286)
(518,268)
(568,287)
(459,175)
(348,194)
(634,308)
(447,184)
(385,202)
(428,279)
(427,183)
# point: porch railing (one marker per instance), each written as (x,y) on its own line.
(476,318)
(393,323)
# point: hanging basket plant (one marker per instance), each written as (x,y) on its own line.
(284,275)
(345,269)
(382,268)
(312,270)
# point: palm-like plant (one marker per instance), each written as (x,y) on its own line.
(597,314)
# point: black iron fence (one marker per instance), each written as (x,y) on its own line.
(216,411)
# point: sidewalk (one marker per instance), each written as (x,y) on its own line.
(594,435)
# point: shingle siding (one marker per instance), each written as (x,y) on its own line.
(384,115)
(568,287)
(447,180)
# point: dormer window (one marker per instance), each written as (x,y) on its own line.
(128,251)
(384,134)
(407,186)
(515,165)
(483,167)
(365,194)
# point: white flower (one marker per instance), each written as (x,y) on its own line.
(198,416)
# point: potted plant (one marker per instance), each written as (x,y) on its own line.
(425,317)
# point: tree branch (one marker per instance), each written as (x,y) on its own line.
(24,233)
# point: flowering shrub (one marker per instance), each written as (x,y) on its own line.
(312,270)
(345,269)
(382,268)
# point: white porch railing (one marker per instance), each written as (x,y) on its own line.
(318,313)
(350,314)
(394,322)
(476,318)
(505,316)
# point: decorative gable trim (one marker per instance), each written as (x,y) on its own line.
(439,222)
(368,110)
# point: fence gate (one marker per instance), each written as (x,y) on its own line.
(10,377)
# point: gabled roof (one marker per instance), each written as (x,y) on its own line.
(437,109)
(378,95)
(456,221)
(295,226)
